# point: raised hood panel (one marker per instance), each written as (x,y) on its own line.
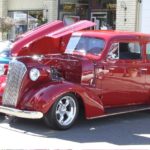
(80,25)
(49,39)
(29,37)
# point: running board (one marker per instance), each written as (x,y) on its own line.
(122,110)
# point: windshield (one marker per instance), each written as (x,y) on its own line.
(85,45)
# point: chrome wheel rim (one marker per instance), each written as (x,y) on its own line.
(66,110)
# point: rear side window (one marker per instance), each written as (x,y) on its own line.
(125,50)
(148,50)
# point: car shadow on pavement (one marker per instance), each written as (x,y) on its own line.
(127,129)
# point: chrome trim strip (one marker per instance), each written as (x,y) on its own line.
(21,113)
(119,113)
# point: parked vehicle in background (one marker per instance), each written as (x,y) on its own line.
(5,47)
(5,56)
(99,72)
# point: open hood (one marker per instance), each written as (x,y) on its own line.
(80,25)
(47,39)
(33,35)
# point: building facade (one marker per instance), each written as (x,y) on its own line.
(145,16)
(127,15)
(133,15)
(28,14)
(130,15)
(103,12)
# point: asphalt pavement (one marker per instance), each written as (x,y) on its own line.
(128,131)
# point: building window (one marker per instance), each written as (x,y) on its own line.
(24,21)
(71,11)
(103,4)
(103,12)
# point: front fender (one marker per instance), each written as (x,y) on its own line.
(41,99)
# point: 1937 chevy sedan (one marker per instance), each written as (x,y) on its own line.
(101,73)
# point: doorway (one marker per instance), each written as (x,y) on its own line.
(100,18)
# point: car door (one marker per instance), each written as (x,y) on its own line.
(122,76)
(147,69)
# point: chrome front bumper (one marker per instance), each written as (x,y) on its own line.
(21,113)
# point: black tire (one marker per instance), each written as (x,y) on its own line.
(59,116)
(2,116)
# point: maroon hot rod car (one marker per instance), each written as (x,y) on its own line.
(99,72)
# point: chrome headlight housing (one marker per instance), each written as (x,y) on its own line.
(34,74)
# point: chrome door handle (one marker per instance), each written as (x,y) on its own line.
(144,69)
(111,69)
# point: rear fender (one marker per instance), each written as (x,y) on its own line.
(43,98)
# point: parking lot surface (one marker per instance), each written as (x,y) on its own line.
(128,131)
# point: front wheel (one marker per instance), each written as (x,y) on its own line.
(63,113)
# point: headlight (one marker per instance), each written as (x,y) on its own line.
(34,74)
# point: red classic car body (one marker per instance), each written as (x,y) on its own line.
(101,83)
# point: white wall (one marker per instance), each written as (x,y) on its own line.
(145,16)
(129,14)
(50,5)
(25,4)
(3,8)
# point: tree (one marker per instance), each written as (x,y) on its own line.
(5,25)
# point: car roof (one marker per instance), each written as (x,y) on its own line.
(110,34)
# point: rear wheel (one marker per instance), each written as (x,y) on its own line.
(63,113)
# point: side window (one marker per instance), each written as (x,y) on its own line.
(148,50)
(114,51)
(131,50)
(125,50)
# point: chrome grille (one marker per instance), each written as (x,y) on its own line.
(15,75)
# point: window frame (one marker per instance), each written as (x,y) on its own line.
(146,50)
(126,41)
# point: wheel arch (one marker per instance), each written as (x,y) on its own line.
(81,103)
(89,107)
(46,96)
